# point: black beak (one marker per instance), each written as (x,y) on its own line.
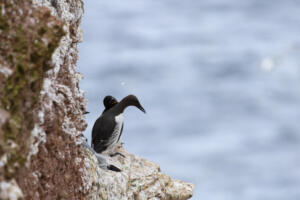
(141,108)
(86,112)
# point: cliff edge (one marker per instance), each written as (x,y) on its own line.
(41,115)
(140,179)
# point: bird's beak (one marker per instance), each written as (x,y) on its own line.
(86,112)
(141,108)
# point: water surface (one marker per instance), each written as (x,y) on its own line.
(220,83)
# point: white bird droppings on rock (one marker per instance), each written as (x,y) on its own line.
(10,190)
(139,179)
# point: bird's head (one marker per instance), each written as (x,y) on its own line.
(109,101)
(132,100)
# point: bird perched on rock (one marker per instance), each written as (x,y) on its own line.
(108,127)
(108,102)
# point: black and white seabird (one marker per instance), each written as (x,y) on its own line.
(108,102)
(108,127)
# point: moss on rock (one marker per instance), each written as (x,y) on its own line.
(28,38)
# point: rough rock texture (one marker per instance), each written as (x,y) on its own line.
(140,179)
(41,104)
(41,114)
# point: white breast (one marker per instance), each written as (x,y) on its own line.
(116,133)
(119,119)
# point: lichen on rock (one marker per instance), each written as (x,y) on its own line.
(28,39)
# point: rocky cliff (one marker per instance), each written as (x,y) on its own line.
(41,115)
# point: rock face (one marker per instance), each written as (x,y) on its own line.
(41,103)
(41,115)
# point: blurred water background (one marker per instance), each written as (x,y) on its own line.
(219,80)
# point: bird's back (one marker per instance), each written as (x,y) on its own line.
(101,133)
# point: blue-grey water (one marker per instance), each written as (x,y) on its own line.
(220,80)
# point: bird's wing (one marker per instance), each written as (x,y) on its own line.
(101,134)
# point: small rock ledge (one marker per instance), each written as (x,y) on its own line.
(140,179)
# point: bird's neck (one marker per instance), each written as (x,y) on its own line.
(122,105)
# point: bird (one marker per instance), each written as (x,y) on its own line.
(109,102)
(108,128)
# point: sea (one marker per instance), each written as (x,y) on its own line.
(220,81)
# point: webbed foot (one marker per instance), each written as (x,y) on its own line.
(113,168)
(117,153)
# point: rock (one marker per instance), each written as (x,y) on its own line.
(10,190)
(140,179)
(40,98)
(41,115)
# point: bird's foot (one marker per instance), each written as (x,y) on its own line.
(117,153)
(103,163)
(113,168)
